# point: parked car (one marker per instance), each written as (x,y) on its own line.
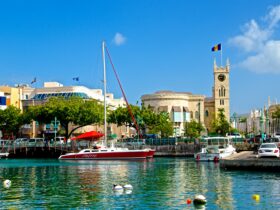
(273,140)
(38,142)
(20,141)
(234,135)
(277,135)
(268,150)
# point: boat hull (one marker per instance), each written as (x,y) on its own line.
(212,156)
(115,155)
(151,153)
(4,154)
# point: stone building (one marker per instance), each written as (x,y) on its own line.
(185,106)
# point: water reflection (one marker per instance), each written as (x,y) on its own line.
(159,183)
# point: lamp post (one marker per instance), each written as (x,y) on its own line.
(55,129)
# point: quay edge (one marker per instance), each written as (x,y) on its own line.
(248,161)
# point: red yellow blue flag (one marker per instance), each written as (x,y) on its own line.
(217,47)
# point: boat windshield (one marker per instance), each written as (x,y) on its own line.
(217,141)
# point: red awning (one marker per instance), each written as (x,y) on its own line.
(91,135)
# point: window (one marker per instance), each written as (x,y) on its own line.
(206,113)
(222,102)
(222,91)
(196,115)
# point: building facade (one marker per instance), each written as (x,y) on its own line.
(23,96)
(185,106)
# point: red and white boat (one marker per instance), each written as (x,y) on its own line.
(108,153)
(111,153)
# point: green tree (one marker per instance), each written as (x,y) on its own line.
(121,116)
(220,125)
(193,129)
(276,113)
(163,125)
(75,111)
(146,118)
(11,119)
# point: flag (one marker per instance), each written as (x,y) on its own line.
(34,80)
(217,47)
(76,78)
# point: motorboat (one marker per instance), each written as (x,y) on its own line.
(215,148)
(4,154)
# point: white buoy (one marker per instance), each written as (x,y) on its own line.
(128,187)
(117,187)
(128,192)
(7,183)
(199,200)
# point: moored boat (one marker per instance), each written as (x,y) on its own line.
(4,154)
(216,148)
(104,153)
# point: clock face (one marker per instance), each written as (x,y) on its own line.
(221,77)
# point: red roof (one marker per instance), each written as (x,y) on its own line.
(91,135)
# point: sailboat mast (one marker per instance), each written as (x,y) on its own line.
(104,82)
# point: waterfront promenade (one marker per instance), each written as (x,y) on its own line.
(54,151)
(247,160)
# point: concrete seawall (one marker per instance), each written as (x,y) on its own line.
(248,161)
(184,150)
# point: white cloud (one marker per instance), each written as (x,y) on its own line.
(252,39)
(263,53)
(266,61)
(119,39)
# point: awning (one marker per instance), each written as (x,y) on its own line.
(91,135)
(176,109)
(186,109)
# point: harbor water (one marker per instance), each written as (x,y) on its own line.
(158,183)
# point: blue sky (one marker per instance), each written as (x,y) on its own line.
(155,45)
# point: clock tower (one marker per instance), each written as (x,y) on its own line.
(221,89)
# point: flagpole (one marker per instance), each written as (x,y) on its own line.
(221,56)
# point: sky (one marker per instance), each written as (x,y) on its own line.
(154,44)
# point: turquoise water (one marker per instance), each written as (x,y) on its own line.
(159,183)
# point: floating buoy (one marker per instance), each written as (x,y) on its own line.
(7,183)
(128,191)
(128,187)
(199,200)
(188,201)
(256,197)
(117,187)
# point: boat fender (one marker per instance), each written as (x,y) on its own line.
(216,159)
(7,183)
(197,157)
(128,187)
(199,200)
(117,187)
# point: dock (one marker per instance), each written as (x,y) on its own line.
(248,160)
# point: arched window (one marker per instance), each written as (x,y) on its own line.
(222,91)
(206,113)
